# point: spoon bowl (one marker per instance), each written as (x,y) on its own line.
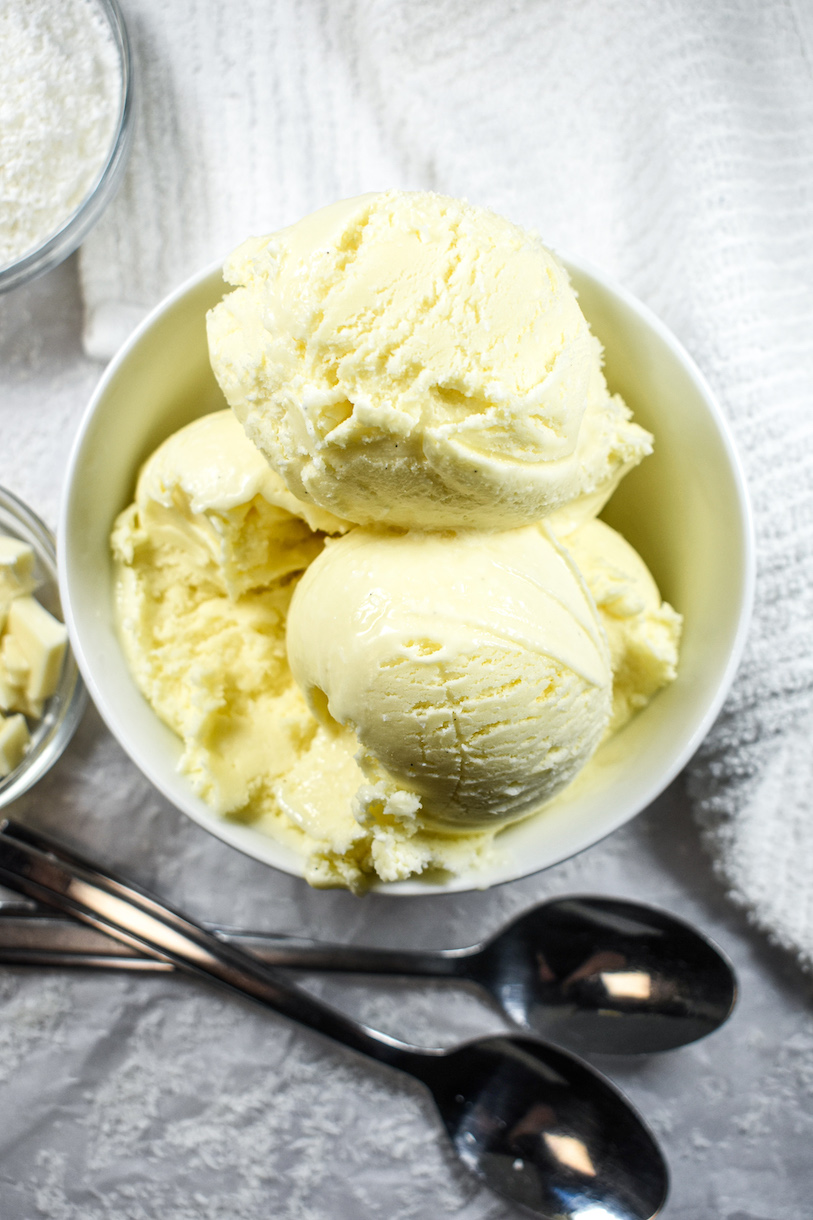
(605,975)
(538,1127)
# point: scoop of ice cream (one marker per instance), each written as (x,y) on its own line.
(411,359)
(206,563)
(208,496)
(643,632)
(471,667)
(201,598)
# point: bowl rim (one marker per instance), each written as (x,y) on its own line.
(75,228)
(48,745)
(746,515)
(234,834)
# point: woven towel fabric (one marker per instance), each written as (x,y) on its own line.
(670,143)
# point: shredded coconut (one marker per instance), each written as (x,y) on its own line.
(59,108)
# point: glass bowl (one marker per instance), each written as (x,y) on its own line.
(76,227)
(64,709)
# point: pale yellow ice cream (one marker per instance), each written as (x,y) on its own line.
(471,667)
(206,560)
(203,559)
(213,663)
(210,496)
(643,632)
(379,615)
(411,359)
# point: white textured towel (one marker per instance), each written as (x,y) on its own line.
(670,143)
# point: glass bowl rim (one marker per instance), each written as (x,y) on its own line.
(59,245)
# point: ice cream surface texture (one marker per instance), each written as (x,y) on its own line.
(207,493)
(471,667)
(498,631)
(412,359)
(206,560)
(643,632)
(202,559)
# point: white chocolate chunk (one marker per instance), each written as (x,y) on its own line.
(42,640)
(14,674)
(16,570)
(9,693)
(16,669)
(14,741)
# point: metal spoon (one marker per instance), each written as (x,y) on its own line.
(595,974)
(535,1124)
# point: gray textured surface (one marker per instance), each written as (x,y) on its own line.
(144,1097)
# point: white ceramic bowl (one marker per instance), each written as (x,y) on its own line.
(684,508)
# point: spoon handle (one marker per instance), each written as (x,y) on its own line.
(37,937)
(47,872)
